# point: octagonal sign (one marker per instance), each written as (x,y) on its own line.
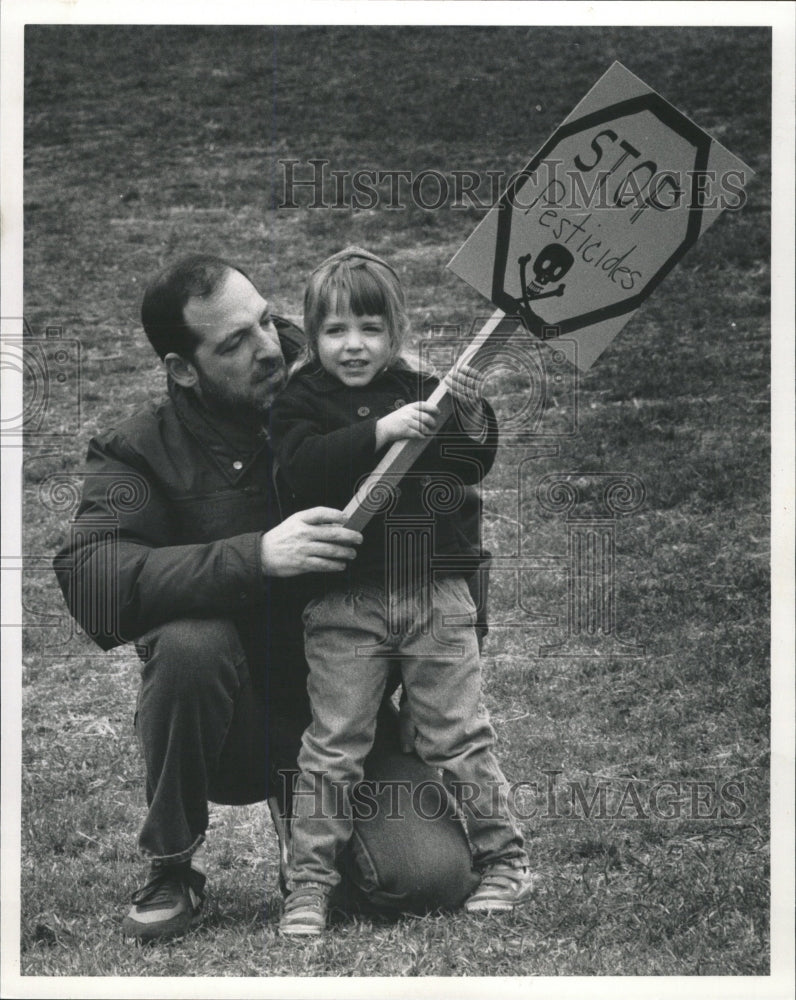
(600,215)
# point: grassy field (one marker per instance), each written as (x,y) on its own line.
(143,143)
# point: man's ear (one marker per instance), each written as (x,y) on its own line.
(182,371)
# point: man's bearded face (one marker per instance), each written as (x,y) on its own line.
(238,361)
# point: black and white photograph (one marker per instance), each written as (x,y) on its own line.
(397,466)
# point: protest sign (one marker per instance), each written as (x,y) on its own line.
(600,215)
(584,233)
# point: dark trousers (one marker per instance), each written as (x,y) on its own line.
(216,724)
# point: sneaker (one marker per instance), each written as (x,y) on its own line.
(305,910)
(502,887)
(169,904)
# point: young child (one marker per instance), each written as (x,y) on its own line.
(351,397)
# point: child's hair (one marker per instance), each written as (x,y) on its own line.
(362,282)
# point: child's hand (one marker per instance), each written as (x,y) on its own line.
(415,420)
(465,384)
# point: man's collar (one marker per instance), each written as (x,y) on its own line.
(291,337)
(232,444)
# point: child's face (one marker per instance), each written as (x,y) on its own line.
(353,348)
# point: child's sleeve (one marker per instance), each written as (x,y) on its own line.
(319,462)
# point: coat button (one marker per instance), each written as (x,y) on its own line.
(237,466)
(363,411)
(398,404)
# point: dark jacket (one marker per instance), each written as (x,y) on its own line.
(174,505)
(324,438)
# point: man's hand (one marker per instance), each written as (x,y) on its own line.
(311,541)
(415,420)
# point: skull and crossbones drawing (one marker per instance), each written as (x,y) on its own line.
(551,264)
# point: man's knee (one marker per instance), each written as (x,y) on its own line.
(190,654)
(410,854)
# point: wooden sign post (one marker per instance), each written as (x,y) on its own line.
(585,232)
(402,455)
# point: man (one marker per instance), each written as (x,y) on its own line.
(199,572)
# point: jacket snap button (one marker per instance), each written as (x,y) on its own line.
(237,466)
(399,403)
(363,411)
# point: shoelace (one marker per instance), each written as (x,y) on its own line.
(159,889)
(306,896)
(504,878)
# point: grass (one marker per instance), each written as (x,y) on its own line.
(143,142)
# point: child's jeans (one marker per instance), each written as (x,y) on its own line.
(351,640)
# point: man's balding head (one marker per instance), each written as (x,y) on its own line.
(163,309)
